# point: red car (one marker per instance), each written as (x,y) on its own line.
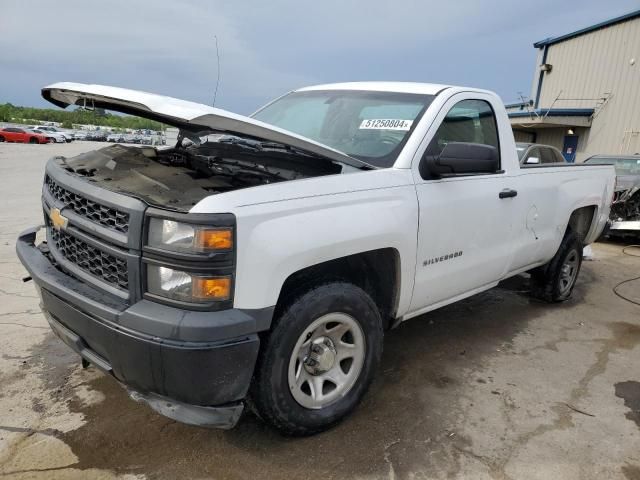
(20,135)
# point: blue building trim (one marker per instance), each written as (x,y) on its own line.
(519,105)
(536,104)
(597,26)
(554,112)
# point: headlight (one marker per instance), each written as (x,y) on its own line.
(187,238)
(187,287)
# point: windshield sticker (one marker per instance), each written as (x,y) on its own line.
(385,124)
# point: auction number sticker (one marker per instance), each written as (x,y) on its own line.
(385,124)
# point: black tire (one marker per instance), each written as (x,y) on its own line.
(33,140)
(551,282)
(1,139)
(270,392)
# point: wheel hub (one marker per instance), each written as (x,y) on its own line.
(326,361)
(321,357)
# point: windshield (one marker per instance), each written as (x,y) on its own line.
(370,126)
(623,166)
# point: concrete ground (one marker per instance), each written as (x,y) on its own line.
(498,386)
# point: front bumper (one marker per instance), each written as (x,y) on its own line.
(194,367)
(628,225)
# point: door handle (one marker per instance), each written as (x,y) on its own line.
(508,193)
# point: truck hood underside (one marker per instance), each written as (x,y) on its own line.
(188,116)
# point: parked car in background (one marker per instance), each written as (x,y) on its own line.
(54,137)
(21,135)
(48,128)
(625,209)
(536,154)
(97,136)
(116,138)
(80,135)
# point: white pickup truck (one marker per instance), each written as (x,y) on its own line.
(263,257)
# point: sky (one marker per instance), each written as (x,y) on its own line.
(268,48)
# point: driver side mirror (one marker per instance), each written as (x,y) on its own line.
(461,158)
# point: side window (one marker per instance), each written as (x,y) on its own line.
(547,156)
(469,121)
(558,155)
(534,157)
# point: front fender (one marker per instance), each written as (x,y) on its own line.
(280,238)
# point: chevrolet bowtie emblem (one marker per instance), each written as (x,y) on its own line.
(58,220)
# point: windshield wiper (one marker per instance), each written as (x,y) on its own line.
(264,145)
(215,163)
(242,142)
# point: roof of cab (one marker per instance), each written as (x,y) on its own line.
(635,156)
(398,87)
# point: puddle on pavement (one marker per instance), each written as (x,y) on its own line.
(406,423)
(631,472)
(629,391)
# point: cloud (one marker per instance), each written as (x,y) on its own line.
(268,48)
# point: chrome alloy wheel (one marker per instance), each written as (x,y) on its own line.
(569,271)
(326,360)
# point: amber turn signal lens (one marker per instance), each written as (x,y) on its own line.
(209,239)
(205,288)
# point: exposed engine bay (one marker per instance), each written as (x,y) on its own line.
(179,177)
(626,204)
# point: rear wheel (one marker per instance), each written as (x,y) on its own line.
(1,138)
(33,140)
(554,281)
(319,359)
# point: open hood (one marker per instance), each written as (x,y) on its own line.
(185,115)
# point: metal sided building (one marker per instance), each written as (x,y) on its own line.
(585,97)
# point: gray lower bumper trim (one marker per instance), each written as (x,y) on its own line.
(224,417)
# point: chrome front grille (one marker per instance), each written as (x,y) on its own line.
(102,265)
(93,211)
(99,239)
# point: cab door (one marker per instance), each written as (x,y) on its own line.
(465,221)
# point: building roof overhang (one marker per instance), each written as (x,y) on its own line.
(582,31)
(552,117)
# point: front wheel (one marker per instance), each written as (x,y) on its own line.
(554,281)
(319,359)
(33,140)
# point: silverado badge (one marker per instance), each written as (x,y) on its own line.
(58,221)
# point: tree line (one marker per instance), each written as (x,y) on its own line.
(27,115)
